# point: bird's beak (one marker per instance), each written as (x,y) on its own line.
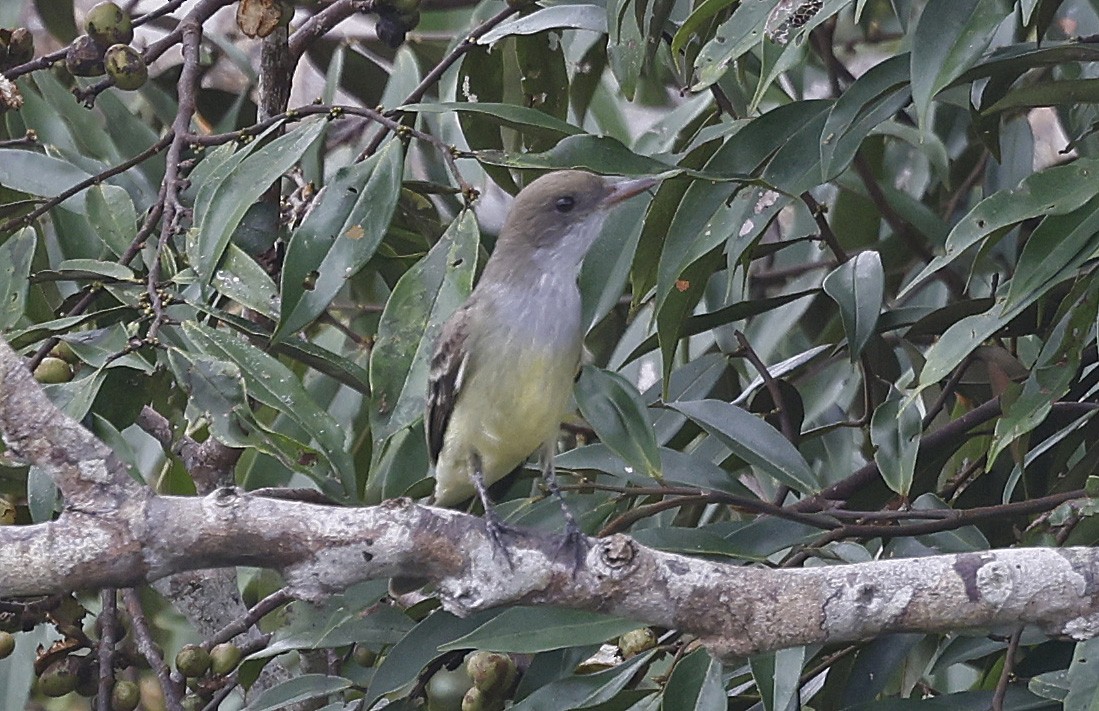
(626,188)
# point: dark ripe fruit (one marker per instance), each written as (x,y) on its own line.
(19,44)
(107,24)
(7,645)
(84,58)
(192,660)
(125,696)
(125,66)
(390,31)
(53,370)
(224,658)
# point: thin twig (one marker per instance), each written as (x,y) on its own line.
(439,69)
(148,649)
(106,621)
(1007,671)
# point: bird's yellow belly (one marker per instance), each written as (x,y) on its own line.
(519,410)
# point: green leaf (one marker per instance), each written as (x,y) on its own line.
(584,690)
(339,622)
(1052,374)
(577,17)
(111,213)
(1055,249)
(858,287)
(614,409)
(695,683)
(297,690)
(753,440)
(872,99)
(425,295)
(522,119)
(1053,191)
(529,630)
(244,281)
(950,37)
(895,431)
(273,384)
(625,45)
(1054,93)
(16,254)
(676,468)
(409,656)
(41,175)
(233,195)
(732,39)
(349,225)
(601,154)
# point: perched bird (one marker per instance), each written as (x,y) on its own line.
(502,371)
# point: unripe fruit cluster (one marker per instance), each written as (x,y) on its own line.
(482,683)
(105,49)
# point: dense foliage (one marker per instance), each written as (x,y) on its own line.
(869,272)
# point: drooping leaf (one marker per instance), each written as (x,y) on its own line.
(420,303)
(614,409)
(753,440)
(233,195)
(337,239)
(858,287)
(15,266)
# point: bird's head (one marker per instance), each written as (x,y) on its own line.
(558,216)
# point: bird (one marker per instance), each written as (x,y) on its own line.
(501,375)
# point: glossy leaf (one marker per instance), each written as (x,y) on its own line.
(529,630)
(1054,191)
(895,430)
(858,287)
(949,38)
(695,683)
(414,315)
(333,246)
(15,266)
(580,691)
(753,440)
(233,195)
(577,17)
(297,690)
(614,409)
(273,384)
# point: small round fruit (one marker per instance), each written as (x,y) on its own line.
(7,644)
(84,58)
(53,370)
(65,352)
(193,703)
(192,661)
(491,672)
(125,66)
(125,696)
(636,641)
(224,658)
(390,31)
(108,24)
(445,690)
(364,656)
(59,678)
(20,46)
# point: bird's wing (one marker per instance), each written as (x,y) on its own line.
(444,381)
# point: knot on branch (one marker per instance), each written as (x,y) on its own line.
(617,553)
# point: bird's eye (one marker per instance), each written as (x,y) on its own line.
(565,203)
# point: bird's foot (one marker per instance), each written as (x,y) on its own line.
(497,530)
(573,546)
